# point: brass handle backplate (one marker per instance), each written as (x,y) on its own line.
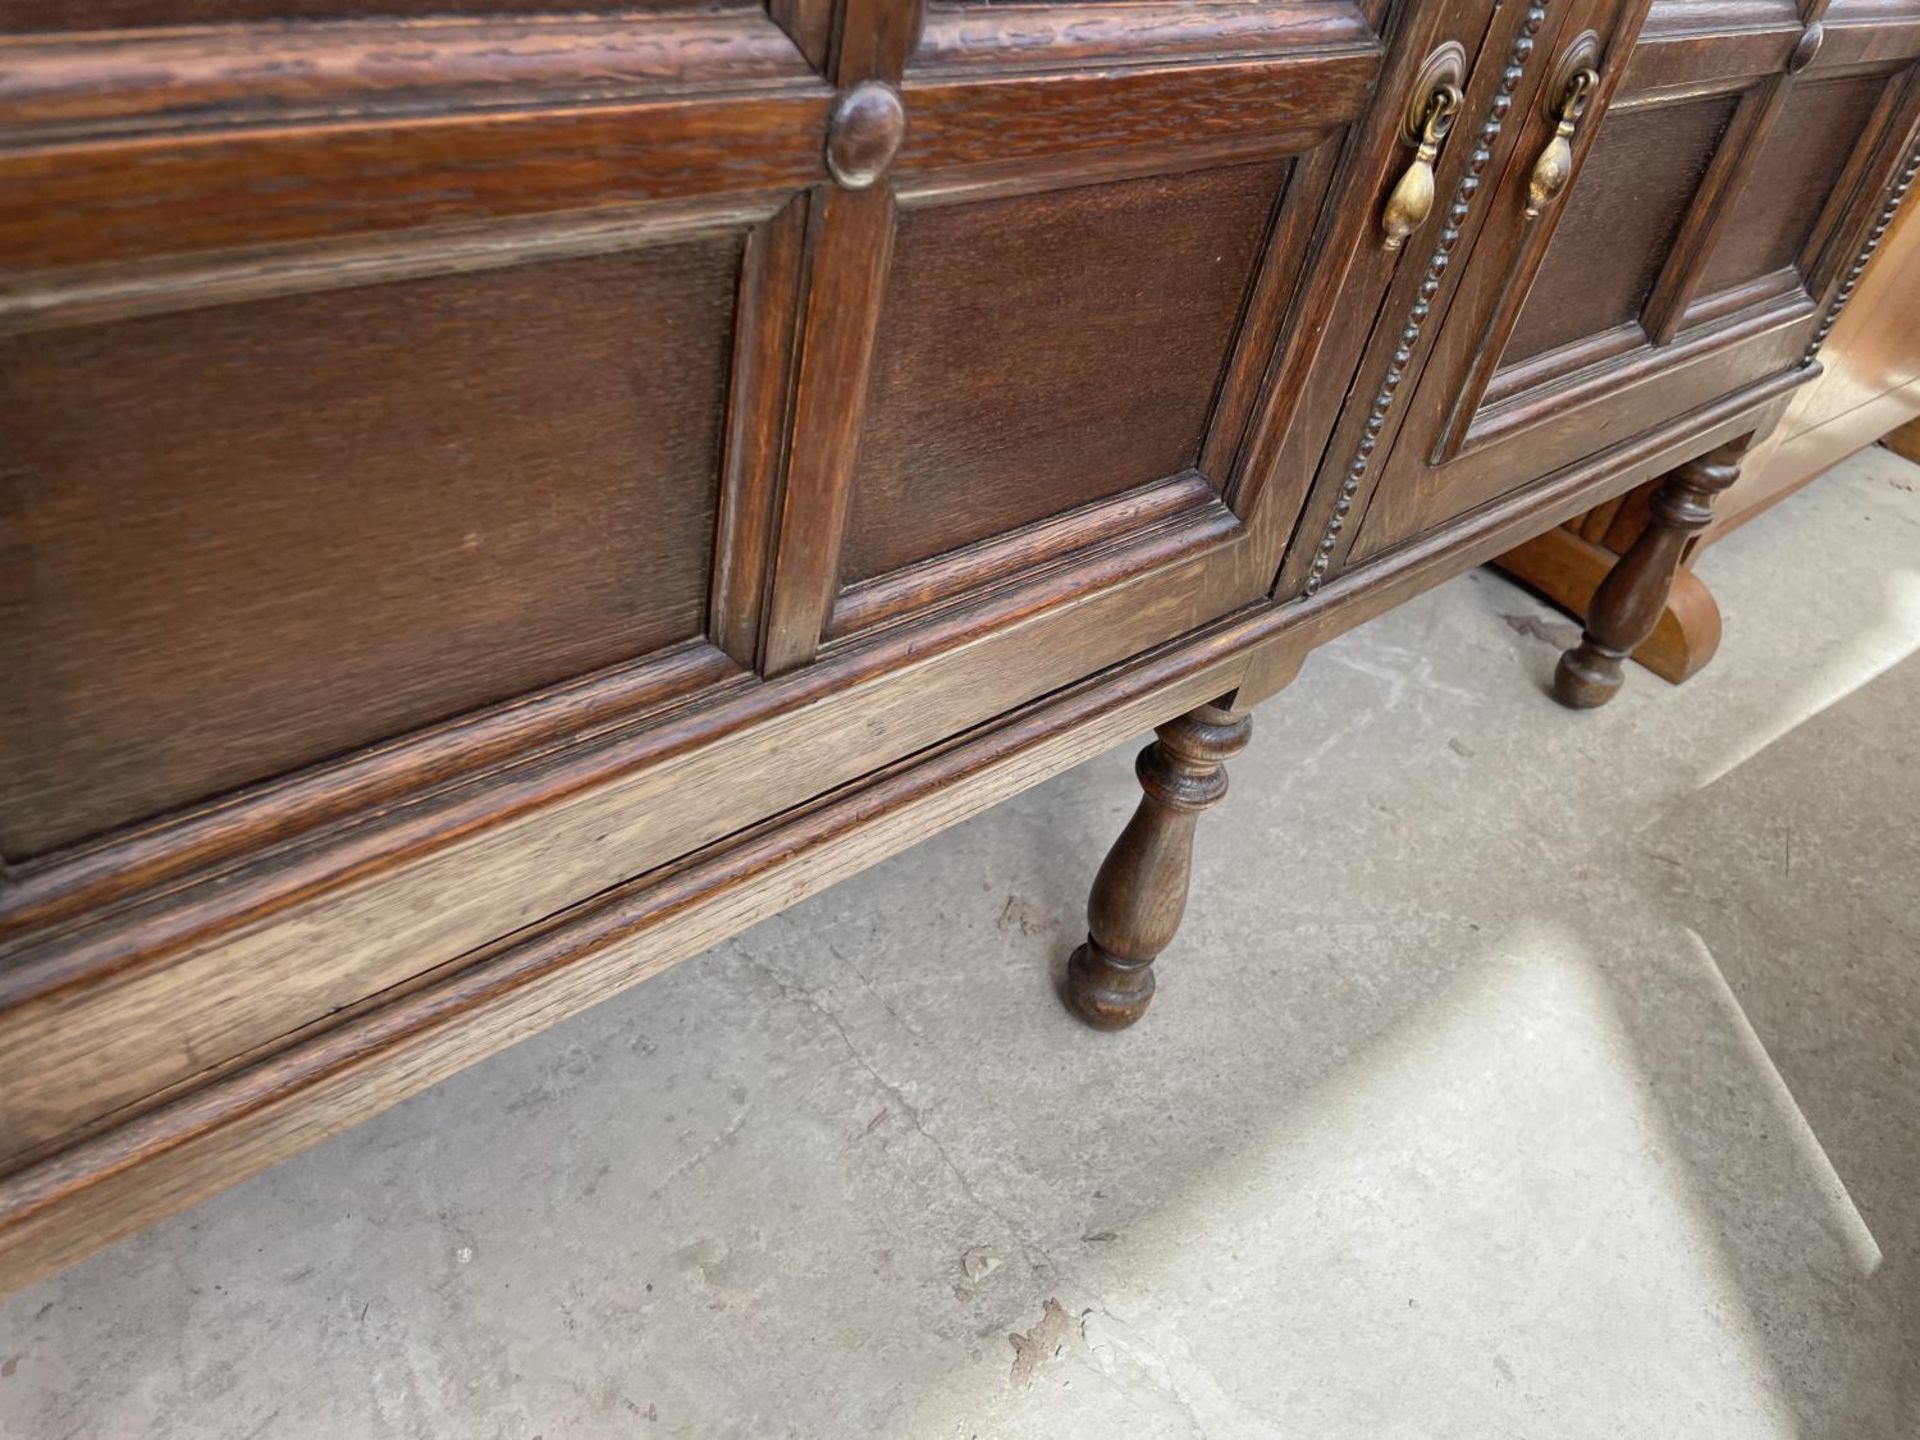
(1429,116)
(1567,102)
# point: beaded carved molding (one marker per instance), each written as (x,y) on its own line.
(1437,262)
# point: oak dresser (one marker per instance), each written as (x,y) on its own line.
(497,495)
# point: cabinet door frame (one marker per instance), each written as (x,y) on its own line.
(1040,99)
(1498,120)
(1475,431)
(1666,66)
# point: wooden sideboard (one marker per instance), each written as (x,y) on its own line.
(499,496)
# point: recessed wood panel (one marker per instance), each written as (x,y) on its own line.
(1789,183)
(1619,224)
(239,540)
(1041,352)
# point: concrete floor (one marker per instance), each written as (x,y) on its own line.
(1518,1073)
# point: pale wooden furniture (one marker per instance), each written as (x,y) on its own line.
(498,496)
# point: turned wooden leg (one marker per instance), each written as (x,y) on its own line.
(1566,567)
(1141,890)
(1627,605)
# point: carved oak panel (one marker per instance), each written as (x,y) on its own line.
(1624,213)
(1789,184)
(1044,351)
(243,539)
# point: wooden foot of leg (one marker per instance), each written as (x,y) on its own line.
(1566,568)
(1627,605)
(1141,890)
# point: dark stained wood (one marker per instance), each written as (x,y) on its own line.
(1495,290)
(1869,384)
(1868,32)
(1628,203)
(1070,119)
(1565,567)
(850,249)
(984,417)
(852,224)
(1600,367)
(1682,275)
(1275,298)
(67,1206)
(864,133)
(69,87)
(1782,286)
(1337,303)
(1625,609)
(1140,893)
(771,286)
(1574,357)
(254,537)
(1870,381)
(1580,416)
(871,40)
(43,897)
(959,39)
(1362,592)
(1788,185)
(129,199)
(236,963)
(809,23)
(1130,591)
(1882,173)
(1185,507)
(1497,114)
(169,284)
(1712,43)
(1588,383)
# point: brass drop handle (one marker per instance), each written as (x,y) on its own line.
(1411,200)
(1555,166)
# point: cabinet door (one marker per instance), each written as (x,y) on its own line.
(1073,341)
(1726,167)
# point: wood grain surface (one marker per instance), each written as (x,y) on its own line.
(1042,352)
(250,538)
